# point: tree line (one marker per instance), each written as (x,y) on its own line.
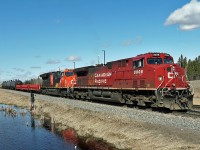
(192,67)
(33,81)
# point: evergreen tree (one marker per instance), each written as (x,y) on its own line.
(193,69)
(185,62)
(182,61)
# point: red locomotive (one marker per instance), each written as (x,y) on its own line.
(150,79)
(58,83)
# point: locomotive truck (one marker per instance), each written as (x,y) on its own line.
(150,79)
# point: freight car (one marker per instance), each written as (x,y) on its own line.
(11,84)
(29,87)
(151,79)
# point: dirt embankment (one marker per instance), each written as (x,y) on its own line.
(120,131)
(196,85)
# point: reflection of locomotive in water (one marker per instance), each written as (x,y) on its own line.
(150,79)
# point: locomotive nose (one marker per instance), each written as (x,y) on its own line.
(176,76)
(171,72)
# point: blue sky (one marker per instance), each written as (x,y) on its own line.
(38,36)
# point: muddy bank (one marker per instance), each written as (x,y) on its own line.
(120,131)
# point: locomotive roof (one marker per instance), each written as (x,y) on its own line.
(149,53)
(83,68)
(141,55)
(48,73)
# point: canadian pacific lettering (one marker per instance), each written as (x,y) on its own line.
(107,74)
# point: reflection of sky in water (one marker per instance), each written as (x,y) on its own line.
(16,135)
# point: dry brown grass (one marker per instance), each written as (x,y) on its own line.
(196,86)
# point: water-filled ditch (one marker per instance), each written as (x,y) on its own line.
(21,130)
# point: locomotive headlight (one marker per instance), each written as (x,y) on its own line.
(160,78)
(173,68)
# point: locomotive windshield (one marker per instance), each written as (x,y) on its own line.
(68,74)
(168,60)
(154,61)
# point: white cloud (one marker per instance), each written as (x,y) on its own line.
(187,17)
(73,58)
(53,62)
(35,67)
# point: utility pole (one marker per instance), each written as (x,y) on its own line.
(74,64)
(104,56)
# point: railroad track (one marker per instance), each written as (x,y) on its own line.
(193,112)
(196,107)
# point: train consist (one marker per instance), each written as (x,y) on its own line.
(151,79)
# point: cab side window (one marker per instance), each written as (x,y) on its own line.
(138,63)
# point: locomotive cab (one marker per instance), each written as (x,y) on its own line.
(171,88)
(68,79)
